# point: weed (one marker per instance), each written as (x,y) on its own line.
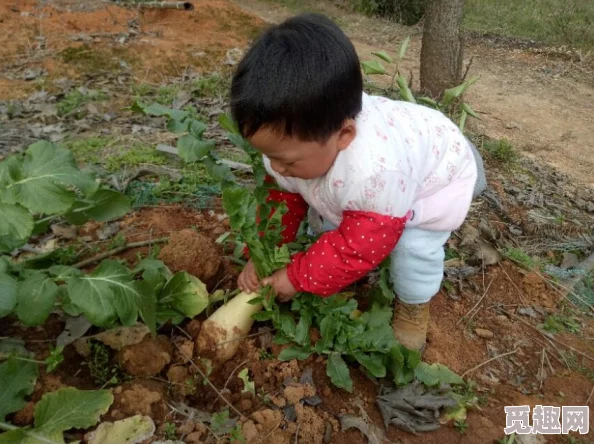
(88,150)
(521,258)
(461,425)
(212,85)
(510,439)
(11,110)
(560,322)
(75,98)
(134,156)
(118,241)
(451,253)
(169,431)
(502,151)
(449,287)
(265,354)
(166,95)
(101,370)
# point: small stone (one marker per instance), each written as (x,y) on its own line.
(484,333)
(193,438)
(570,260)
(246,405)
(249,431)
(185,428)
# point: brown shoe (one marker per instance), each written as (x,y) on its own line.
(410,324)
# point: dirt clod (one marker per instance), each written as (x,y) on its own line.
(194,438)
(249,431)
(193,252)
(182,380)
(484,333)
(24,416)
(135,400)
(148,358)
(295,393)
(184,351)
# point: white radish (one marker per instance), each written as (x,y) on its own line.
(222,333)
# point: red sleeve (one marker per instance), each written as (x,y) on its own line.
(340,257)
(297,209)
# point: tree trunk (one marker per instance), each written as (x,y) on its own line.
(442,50)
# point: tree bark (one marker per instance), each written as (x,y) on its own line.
(442,50)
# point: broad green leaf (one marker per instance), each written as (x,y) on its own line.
(177,126)
(405,92)
(302,331)
(263,316)
(30,436)
(8,294)
(36,296)
(403,47)
(227,123)
(96,293)
(66,304)
(338,372)
(63,272)
(373,67)
(399,367)
(434,374)
(147,304)
(192,149)
(197,128)
(16,225)
(294,352)
(329,328)
(102,206)
(219,171)
(287,324)
(43,180)
(452,94)
(383,55)
(69,408)
(185,293)
(17,379)
(372,362)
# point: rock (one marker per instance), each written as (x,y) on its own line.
(185,428)
(484,333)
(570,260)
(148,358)
(249,431)
(590,207)
(194,438)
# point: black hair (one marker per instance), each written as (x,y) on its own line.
(301,77)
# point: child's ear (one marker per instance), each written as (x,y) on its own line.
(347,134)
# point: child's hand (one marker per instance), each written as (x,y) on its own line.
(281,284)
(248,279)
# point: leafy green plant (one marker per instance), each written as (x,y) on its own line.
(501,150)
(521,258)
(64,409)
(169,431)
(44,185)
(450,102)
(560,322)
(75,99)
(248,385)
(461,426)
(102,371)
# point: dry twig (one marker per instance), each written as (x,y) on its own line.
(477,304)
(118,250)
(489,360)
(212,386)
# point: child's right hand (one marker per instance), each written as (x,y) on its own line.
(248,279)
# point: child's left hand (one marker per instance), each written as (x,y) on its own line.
(281,284)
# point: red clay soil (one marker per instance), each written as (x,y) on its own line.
(168,40)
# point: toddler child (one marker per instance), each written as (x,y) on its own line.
(380,177)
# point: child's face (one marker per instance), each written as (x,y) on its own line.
(292,157)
